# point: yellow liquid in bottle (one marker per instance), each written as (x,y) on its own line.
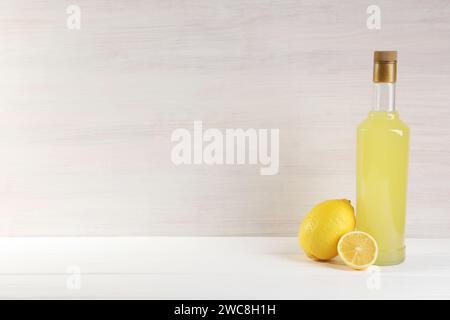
(382,170)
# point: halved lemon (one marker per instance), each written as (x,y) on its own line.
(358,249)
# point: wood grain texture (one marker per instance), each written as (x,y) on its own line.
(86,116)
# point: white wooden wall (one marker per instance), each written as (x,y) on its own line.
(86,115)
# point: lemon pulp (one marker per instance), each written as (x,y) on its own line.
(358,249)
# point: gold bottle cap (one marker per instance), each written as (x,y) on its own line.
(385,66)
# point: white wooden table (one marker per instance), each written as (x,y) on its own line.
(208,268)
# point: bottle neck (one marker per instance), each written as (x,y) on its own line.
(384,96)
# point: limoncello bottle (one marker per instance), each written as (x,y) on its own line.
(382,166)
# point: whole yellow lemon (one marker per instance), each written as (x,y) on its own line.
(323,226)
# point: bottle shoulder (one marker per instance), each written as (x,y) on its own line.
(383,120)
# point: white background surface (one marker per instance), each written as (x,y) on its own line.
(209,268)
(86,116)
